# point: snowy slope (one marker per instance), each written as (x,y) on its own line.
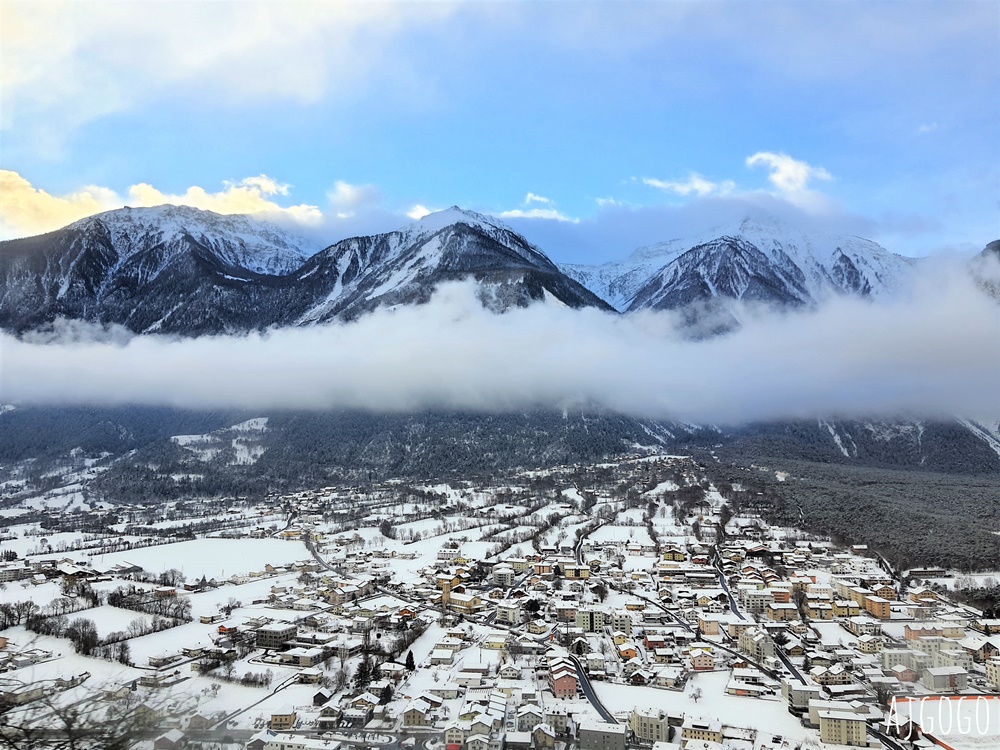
(404,266)
(759,259)
(184,271)
(243,241)
(169,269)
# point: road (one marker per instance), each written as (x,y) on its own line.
(725,587)
(578,549)
(736,611)
(589,693)
(779,652)
(715,644)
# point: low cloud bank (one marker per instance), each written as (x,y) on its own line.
(933,353)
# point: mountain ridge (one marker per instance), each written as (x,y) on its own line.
(758,259)
(184,271)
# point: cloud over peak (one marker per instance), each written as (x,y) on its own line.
(26,210)
(791,177)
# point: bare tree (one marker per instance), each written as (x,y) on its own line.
(55,717)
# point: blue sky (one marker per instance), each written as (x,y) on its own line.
(592,128)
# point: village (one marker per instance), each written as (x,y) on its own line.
(632,604)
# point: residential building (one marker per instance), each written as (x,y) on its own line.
(701,729)
(591,619)
(945,679)
(283,722)
(843,728)
(275,635)
(599,735)
(650,725)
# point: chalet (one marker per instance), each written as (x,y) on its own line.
(417,714)
(283,722)
(171,740)
(701,660)
(528,717)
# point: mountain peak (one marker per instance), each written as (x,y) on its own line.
(439,220)
(238,239)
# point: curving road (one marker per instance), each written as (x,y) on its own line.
(589,693)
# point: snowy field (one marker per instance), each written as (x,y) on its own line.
(109,619)
(964,722)
(767,715)
(621,534)
(212,558)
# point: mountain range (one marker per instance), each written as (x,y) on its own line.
(760,259)
(186,272)
(180,270)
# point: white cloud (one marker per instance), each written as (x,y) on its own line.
(848,358)
(537,213)
(248,196)
(791,177)
(549,212)
(348,200)
(26,210)
(695,184)
(532,198)
(71,62)
(929,127)
(419,211)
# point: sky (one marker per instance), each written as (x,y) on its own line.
(592,128)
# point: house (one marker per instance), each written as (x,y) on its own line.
(273,635)
(496,640)
(701,729)
(562,681)
(701,659)
(528,717)
(417,714)
(905,674)
(650,725)
(557,718)
(627,651)
(199,721)
(171,740)
(510,672)
(993,671)
(878,607)
(870,644)
(282,722)
(543,737)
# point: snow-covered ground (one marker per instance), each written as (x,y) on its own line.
(212,558)
(767,715)
(965,723)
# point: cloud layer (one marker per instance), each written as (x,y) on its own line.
(27,210)
(934,353)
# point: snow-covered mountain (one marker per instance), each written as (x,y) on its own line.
(253,244)
(986,269)
(180,270)
(149,269)
(405,266)
(761,259)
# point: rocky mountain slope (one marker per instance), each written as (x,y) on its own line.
(761,259)
(189,272)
